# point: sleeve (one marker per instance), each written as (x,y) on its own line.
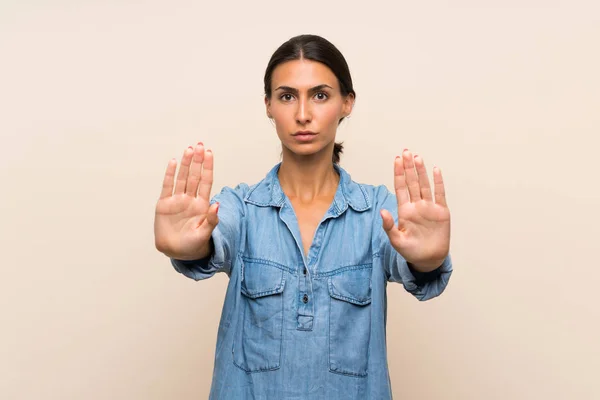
(422,285)
(225,237)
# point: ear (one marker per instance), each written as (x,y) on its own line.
(268,107)
(348,105)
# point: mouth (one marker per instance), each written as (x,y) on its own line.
(304,133)
(304,136)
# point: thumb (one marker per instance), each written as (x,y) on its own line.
(212,218)
(388,220)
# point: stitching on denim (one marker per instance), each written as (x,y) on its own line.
(341,372)
(268,262)
(348,373)
(366,195)
(250,371)
(278,289)
(329,334)
(342,269)
(240,327)
(336,295)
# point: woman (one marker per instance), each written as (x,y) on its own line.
(308,251)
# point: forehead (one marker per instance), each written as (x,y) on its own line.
(303,74)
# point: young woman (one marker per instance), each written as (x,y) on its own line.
(308,251)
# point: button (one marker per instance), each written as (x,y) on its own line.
(305,299)
(304,271)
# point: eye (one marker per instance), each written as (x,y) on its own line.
(286,97)
(321,96)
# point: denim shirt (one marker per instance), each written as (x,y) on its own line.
(305,327)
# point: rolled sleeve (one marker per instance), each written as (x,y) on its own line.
(422,285)
(205,267)
(225,237)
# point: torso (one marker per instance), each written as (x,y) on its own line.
(309,216)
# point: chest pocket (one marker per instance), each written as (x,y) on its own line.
(350,321)
(257,344)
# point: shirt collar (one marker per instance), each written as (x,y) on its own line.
(268,192)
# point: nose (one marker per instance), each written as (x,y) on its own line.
(303,112)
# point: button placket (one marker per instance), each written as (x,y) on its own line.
(306,305)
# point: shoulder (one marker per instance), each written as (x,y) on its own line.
(231,198)
(243,192)
(238,191)
(382,194)
(375,195)
(238,194)
(363,195)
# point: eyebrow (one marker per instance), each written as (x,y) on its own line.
(311,90)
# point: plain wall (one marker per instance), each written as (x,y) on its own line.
(97,96)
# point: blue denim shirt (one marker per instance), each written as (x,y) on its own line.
(296,327)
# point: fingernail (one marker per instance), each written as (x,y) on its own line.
(190,147)
(201,143)
(209,150)
(397,156)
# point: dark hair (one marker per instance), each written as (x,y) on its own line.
(315,48)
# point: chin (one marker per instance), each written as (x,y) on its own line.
(306,149)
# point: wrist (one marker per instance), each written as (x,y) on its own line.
(427,266)
(204,252)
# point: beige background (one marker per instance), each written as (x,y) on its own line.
(97,96)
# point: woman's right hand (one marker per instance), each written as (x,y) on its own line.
(184,219)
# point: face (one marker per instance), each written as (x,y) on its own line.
(306,97)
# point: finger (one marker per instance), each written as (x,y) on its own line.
(388,220)
(440,191)
(168,181)
(195,170)
(423,179)
(212,217)
(412,181)
(206,179)
(400,182)
(184,169)
(389,226)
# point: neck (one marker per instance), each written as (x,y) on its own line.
(306,178)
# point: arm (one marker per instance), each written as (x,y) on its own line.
(188,227)
(416,223)
(422,285)
(224,240)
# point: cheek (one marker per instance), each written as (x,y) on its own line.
(329,115)
(282,114)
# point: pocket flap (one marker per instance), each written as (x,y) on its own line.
(353,286)
(259,279)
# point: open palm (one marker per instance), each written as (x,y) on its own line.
(422,235)
(184,220)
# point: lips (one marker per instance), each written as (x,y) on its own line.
(304,136)
(303,133)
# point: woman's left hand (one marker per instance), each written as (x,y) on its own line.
(422,236)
